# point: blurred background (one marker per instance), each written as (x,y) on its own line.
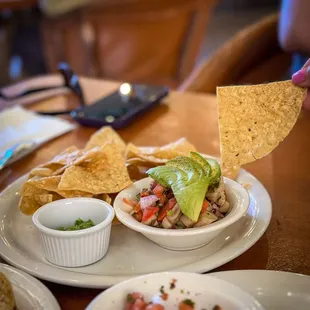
(186,44)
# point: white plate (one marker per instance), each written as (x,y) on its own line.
(204,291)
(273,289)
(130,254)
(29,293)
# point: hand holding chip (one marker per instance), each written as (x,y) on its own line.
(302,78)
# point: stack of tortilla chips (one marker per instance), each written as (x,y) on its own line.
(98,170)
(95,171)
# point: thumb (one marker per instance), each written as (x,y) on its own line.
(306,103)
(302,77)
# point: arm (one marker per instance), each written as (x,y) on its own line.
(294,26)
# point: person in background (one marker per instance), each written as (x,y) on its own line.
(294,37)
(294,34)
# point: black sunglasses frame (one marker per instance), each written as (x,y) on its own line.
(71,81)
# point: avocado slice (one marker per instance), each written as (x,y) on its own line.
(216,173)
(188,182)
(165,175)
(211,167)
(202,161)
(190,198)
(193,169)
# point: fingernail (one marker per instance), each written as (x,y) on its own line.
(299,77)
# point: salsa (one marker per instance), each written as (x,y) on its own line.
(157,206)
(79,224)
(188,191)
(135,301)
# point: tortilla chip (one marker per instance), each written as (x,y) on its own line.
(77,158)
(116,221)
(253,120)
(50,184)
(28,189)
(106,135)
(107,198)
(135,161)
(104,197)
(43,199)
(231,172)
(102,172)
(160,154)
(73,193)
(29,204)
(40,172)
(67,156)
(59,162)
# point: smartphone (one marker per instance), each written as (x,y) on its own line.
(121,107)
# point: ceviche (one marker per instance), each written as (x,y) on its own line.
(135,301)
(188,191)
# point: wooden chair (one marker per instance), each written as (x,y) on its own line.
(149,41)
(252,56)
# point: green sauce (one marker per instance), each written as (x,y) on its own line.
(78,225)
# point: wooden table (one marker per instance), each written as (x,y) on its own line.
(285,173)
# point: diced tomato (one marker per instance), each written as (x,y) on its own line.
(162,199)
(168,206)
(158,190)
(127,306)
(183,306)
(139,304)
(144,192)
(131,299)
(137,208)
(136,295)
(205,206)
(148,212)
(129,202)
(138,216)
(155,307)
(152,185)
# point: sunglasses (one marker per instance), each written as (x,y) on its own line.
(19,93)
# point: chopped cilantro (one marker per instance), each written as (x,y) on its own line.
(162,289)
(78,225)
(188,302)
(172,284)
(170,213)
(129,298)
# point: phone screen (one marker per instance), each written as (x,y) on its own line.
(124,101)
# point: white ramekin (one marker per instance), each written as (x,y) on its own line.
(74,248)
(184,239)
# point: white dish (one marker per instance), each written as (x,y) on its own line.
(129,250)
(273,289)
(74,248)
(205,291)
(183,239)
(29,293)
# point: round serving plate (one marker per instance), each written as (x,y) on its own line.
(130,253)
(29,293)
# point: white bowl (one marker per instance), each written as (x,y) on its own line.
(184,239)
(74,248)
(206,291)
